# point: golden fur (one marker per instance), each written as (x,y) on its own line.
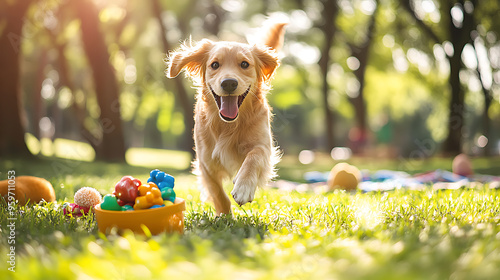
(240,146)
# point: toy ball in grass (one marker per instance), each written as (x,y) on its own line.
(85,200)
(87,197)
(344,176)
(27,189)
(462,165)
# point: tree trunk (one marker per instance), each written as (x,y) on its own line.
(330,11)
(12,118)
(182,95)
(66,80)
(453,143)
(111,146)
(488,98)
(459,37)
(486,124)
(362,54)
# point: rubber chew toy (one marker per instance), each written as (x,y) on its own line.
(168,194)
(28,189)
(149,195)
(110,203)
(126,190)
(161,179)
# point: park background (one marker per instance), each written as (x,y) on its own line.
(382,84)
(396,79)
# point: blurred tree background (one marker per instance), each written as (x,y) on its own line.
(386,78)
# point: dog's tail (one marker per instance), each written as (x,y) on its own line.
(273,36)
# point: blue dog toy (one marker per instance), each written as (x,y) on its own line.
(161,179)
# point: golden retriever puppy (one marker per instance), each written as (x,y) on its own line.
(232,130)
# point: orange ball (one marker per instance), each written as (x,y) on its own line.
(27,188)
(344,176)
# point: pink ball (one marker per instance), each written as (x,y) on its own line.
(462,165)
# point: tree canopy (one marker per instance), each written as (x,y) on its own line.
(363,73)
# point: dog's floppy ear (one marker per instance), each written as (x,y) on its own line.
(192,59)
(267,62)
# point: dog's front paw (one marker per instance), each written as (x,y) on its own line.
(243,192)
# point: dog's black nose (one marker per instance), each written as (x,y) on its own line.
(229,85)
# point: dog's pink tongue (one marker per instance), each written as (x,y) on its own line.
(229,106)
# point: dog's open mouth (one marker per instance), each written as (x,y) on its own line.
(229,105)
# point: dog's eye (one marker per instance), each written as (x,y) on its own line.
(214,65)
(244,65)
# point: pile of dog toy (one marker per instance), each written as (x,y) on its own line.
(130,194)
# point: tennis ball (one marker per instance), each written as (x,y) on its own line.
(344,176)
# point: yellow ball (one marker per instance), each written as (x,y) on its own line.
(344,176)
(168,203)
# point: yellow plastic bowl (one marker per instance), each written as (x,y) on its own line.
(164,219)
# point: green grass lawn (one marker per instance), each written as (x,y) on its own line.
(281,235)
